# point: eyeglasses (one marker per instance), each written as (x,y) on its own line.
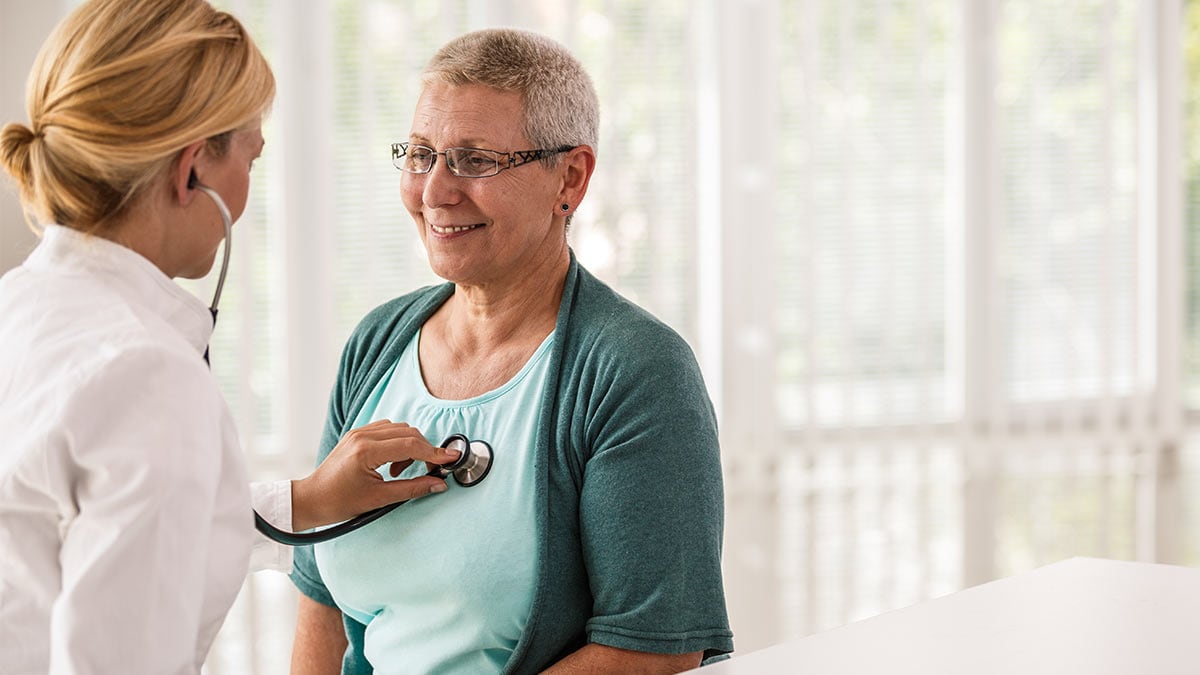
(466,162)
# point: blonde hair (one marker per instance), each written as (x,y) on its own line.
(118,89)
(561,106)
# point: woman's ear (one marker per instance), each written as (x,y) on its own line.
(183,173)
(579,164)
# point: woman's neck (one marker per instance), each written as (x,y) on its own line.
(522,309)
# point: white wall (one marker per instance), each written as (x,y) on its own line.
(24,25)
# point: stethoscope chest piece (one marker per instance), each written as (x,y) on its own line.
(472,465)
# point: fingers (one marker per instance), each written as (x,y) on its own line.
(381,444)
(348,481)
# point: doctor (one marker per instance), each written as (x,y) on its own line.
(125,523)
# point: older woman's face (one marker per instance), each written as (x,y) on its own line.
(480,231)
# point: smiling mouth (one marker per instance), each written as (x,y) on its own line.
(454,229)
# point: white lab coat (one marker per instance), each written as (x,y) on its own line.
(125,524)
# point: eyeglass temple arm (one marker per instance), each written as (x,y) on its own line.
(525,156)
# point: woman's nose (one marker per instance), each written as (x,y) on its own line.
(441,187)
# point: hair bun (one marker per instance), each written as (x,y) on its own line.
(15,142)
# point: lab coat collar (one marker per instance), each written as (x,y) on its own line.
(137,279)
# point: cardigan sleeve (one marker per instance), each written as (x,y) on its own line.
(651,503)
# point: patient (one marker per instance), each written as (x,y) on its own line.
(594,543)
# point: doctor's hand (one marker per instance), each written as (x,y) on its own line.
(347,483)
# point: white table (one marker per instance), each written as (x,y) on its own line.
(1083,615)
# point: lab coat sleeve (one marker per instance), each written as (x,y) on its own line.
(143,456)
(272,501)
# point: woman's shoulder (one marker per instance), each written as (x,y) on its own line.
(614,333)
(603,316)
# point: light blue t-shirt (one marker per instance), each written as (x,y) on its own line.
(444,583)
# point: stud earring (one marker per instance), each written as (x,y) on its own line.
(566,207)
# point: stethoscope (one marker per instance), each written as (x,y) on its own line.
(227,221)
(471,467)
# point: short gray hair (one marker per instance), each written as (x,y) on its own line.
(561,106)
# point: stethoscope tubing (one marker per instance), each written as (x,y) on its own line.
(309,538)
(227,222)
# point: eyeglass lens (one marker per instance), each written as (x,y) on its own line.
(471,162)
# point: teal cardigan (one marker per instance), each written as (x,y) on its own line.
(629,498)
